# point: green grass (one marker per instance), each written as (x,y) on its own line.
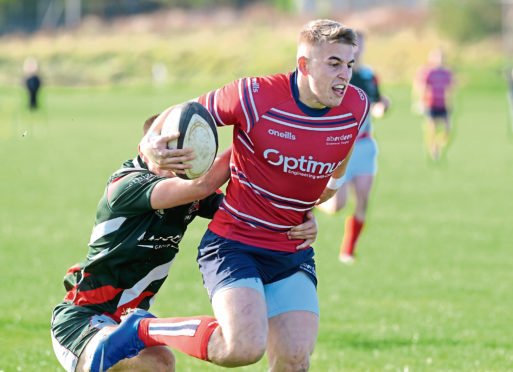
(432,286)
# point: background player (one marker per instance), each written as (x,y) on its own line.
(291,132)
(32,81)
(362,166)
(140,221)
(433,85)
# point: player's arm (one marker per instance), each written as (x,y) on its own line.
(335,181)
(307,231)
(176,191)
(379,108)
(381,103)
(154,147)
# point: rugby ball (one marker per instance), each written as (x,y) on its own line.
(197,131)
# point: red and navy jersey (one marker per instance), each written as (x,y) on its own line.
(436,82)
(284,153)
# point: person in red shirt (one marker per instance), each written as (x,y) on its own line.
(293,134)
(433,86)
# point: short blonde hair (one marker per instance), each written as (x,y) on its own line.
(326,31)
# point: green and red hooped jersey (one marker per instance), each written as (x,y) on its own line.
(132,246)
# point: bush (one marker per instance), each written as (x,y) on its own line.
(467,20)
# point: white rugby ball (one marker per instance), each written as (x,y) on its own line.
(197,131)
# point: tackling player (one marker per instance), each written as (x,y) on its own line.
(362,166)
(140,221)
(292,136)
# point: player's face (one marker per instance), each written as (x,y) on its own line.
(329,72)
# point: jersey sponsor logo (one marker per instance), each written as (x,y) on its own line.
(335,140)
(308,268)
(142,179)
(360,92)
(254,85)
(285,135)
(161,242)
(292,164)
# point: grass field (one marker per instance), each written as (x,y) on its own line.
(432,288)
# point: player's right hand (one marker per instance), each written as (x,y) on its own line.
(154,147)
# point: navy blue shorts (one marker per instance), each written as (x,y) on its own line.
(438,113)
(223,261)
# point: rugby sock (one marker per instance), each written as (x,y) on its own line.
(189,335)
(352,232)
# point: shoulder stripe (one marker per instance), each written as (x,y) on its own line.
(105,228)
(216,114)
(246,101)
(253,106)
(241,99)
(365,112)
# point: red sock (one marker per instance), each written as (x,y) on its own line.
(351,234)
(189,335)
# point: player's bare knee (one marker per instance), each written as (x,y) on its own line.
(295,357)
(160,358)
(247,350)
(293,363)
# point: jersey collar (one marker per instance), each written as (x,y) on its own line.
(306,109)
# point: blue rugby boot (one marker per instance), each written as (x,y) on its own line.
(123,343)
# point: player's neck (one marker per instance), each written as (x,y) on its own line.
(306,95)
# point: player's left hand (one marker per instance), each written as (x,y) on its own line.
(307,231)
(155,148)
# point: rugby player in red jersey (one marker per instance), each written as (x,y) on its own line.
(433,84)
(140,222)
(292,136)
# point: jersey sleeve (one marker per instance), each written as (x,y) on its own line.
(131,194)
(210,205)
(233,104)
(361,107)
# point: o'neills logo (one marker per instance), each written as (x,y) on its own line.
(345,137)
(303,164)
(286,135)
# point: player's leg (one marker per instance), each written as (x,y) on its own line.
(293,322)
(242,336)
(156,358)
(365,168)
(233,282)
(431,140)
(446,132)
(77,332)
(362,187)
(354,224)
(140,330)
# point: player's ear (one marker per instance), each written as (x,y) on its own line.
(301,64)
